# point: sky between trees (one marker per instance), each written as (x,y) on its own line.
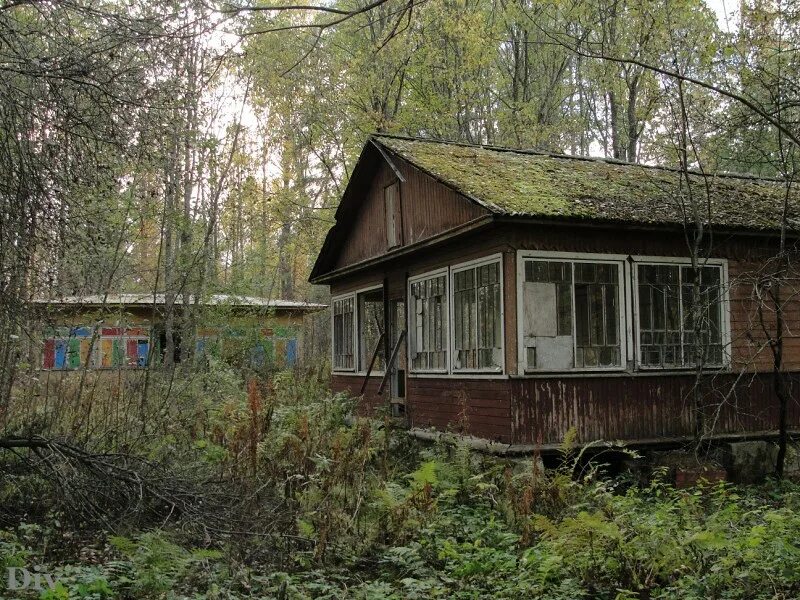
(199,147)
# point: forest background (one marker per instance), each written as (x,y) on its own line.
(192,147)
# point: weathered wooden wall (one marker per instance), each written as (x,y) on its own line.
(644,408)
(427,209)
(351,385)
(479,407)
(525,409)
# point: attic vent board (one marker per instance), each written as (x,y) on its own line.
(394,225)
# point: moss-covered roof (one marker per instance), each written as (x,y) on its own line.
(534,184)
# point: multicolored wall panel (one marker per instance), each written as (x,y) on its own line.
(131,347)
(95,348)
(264,348)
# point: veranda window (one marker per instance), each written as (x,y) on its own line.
(680,315)
(571,315)
(477,330)
(428,315)
(370,326)
(343,319)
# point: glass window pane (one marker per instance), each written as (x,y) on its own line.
(597,315)
(582,336)
(710,276)
(343,334)
(564,309)
(585,272)
(658,308)
(477,301)
(679,315)
(552,293)
(429,324)
(612,316)
(547,315)
(371,325)
(648,274)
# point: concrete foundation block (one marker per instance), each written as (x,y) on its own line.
(687,469)
(792,464)
(750,462)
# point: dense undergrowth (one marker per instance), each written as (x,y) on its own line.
(318,508)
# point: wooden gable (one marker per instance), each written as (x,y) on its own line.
(387,192)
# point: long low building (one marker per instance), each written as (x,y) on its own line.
(127,331)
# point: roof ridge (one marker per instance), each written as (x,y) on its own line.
(148,298)
(561,156)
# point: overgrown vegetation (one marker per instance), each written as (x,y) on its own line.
(270,493)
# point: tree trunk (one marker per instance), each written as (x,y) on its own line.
(633,122)
(779,385)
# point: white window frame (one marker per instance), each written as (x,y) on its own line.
(442,272)
(335,299)
(625,332)
(465,266)
(357,333)
(356,369)
(725,320)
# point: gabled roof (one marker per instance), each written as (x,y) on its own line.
(535,184)
(145,300)
(568,189)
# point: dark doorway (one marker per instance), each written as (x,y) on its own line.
(397,324)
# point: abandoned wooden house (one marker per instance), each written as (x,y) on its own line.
(127,331)
(513,296)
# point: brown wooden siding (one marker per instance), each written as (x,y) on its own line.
(479,407)
(351,385)
(622,406)
(627,240)
(367,235)
(640,408)
(646,409)
(752,312)
(467,247)
(427,209)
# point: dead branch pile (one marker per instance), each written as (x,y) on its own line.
(116,491)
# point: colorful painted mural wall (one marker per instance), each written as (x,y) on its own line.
(96,347)
(259,348)
(71,348)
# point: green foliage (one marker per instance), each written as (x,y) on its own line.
(368,513)
(12,552)
(79,583)
(158,565)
